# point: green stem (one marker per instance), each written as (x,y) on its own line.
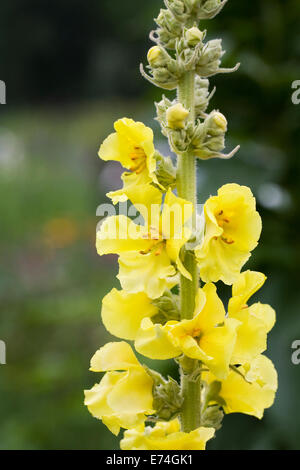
(187,189)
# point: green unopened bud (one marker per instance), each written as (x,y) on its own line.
(210,58)
(202,95)
(193,36)
(176,116)
(216,144)
(167,305)
(209,8)
(177,7)
(169,29)
(167,397)
(212,417)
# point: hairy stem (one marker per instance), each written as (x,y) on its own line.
(187,189)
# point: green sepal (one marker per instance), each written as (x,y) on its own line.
(212,417)
(168,308)
(167,398)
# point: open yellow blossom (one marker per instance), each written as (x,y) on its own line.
(250,394)
(166,436)
(232,230)
(148,253)
(209,337)
(132,146)
(123,397)
(256,320)
(122,313)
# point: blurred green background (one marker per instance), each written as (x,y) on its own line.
(71,69)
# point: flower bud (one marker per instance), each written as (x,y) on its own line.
(168,308)
(220,121)
(211,6)
(210,59)
(176,116)
(202,95)
(155,57)
(194,36)
(169,29)
(208,8)
(177,7)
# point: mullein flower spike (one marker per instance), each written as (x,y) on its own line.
(219,350)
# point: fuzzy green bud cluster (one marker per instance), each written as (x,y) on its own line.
(165,172)
(167,398)
(209,60)
(208,140)
(168,308)
(202,95)
(169,29)
(180,14)
(164,70)
(205,139)
(183,13)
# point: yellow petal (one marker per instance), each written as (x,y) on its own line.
(112,423)
(173,248)
(164,437)
(232,230)
(114,356)
(118,234)
(147,200)
(147,273)
(265,313)
(244,287)
(220,262)
(176,214)
(212,312)
(218,344)
(96,397)
(116,148)
(132,394)
(130,181)
(141,136)
(153,341)
(122,312)
(135,132)
(251,398)
(251,338)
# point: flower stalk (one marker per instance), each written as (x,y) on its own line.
(218,349)
(187,189)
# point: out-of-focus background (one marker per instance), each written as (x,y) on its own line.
(71,69)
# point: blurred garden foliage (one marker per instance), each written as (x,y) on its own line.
(71,69)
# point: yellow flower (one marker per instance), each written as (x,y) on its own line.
(254,393)
(209,337)
(121,399)
(166,436)
(122,313)
(256,320)
(233,227)
(132,146)
(148,252)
